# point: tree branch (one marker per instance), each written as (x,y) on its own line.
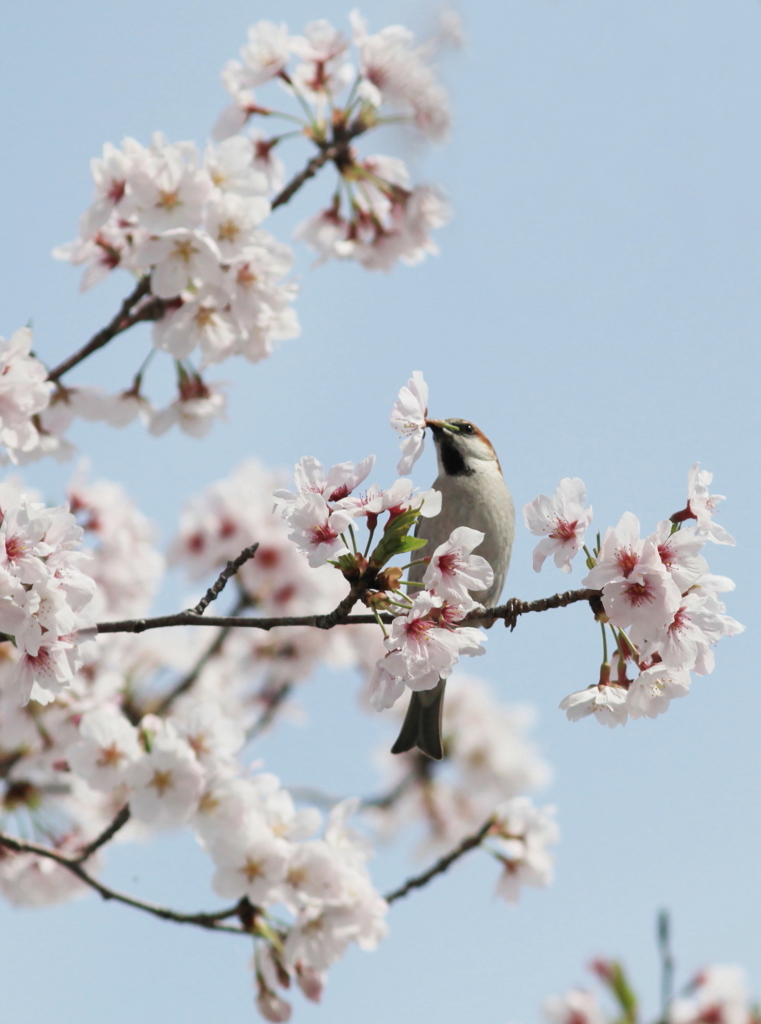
(108,833)
(442,864)
(336,150)
(340,615)
(210,921)
(229,570)
(120,323)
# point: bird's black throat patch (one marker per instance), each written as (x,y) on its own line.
(452,459)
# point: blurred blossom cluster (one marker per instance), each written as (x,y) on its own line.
(658,598)
(718,994)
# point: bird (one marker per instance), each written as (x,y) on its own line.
(474,494)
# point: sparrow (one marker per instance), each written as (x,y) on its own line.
(474,494)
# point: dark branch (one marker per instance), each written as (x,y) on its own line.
(441,865)
(120,323)
(340,615)
(108,833)
(229,570)
(209,921)
(337,151)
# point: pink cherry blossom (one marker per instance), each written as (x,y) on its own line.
(562,520)
(420,650)
(454,571)
(316,530)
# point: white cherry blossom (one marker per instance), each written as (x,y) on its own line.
(607,703)
(408,418)
(702,505)
(654,688)
(166,783)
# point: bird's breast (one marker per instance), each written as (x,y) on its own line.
(481,502)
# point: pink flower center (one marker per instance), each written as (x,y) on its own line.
(564,530)
(667,553)
(14,548)
(448,563)
(680,621)
(627,560)
(417,629)
(639,593)
(116,190)
(322,534)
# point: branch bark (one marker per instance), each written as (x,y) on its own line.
(120,323)
(509,612)
(210,921)
(442,864)
(106,835)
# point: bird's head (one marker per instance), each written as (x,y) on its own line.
(461,448)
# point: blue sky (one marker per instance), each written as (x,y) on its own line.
(595,309)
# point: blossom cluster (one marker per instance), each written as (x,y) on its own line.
(658,597)
(426,637)
(377,216)
(193,224)
(718,993)
(44,594)
(24,392)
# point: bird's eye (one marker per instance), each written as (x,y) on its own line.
(467,428)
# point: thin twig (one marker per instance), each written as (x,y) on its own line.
(229,570)
(184,684)
(441,865)
(279,696)
(335,150)
(202,920)
(119,323)
(340,615)
(108,833)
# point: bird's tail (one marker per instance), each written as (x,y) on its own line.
(422,723)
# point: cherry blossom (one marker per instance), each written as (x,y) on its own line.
(24,392)
(702,505)
(562,520)
(524,833)
(408,418)
(637,588)
(266,53)
(166,782)
(654,688)
(107,748)
(454,571)
(421,651)
(316,530)
(575,1007)
(607,703)
(396,72)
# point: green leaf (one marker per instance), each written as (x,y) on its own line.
(411,544)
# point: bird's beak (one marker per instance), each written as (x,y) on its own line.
(442,425)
